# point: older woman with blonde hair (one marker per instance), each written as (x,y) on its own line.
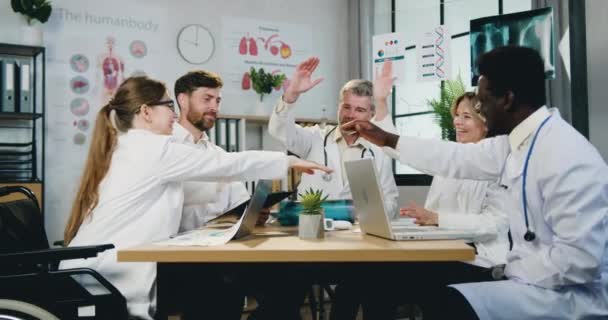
(468,204)
(478,206)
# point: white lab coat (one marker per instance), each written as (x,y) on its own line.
(563,274)
(204,201)
(307,143)
(140,201)
(473,205)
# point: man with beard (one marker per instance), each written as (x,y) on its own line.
(331,146)
(198,95)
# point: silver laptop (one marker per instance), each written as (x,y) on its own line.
(256,204)
(373,218)
(249,217)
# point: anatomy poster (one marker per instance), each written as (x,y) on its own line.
(275,47)
(433,55)
(91,49)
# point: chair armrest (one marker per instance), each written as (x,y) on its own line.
(59,243)
(50,256)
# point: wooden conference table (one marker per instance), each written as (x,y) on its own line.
(341,255)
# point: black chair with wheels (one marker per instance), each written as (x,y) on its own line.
(317,299)
(31,286)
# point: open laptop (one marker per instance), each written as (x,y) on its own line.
(373,218)
(256,204)
(247,220)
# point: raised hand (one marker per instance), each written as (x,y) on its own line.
(371,133)
(423,217)
(383,84)
(301,81)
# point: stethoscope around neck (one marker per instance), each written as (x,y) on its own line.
(328,176)
(529,235)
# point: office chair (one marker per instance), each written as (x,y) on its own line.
(31,286)
(316,299)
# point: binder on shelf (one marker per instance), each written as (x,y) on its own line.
(25,103)
(222,134)
(232,136)
(211,134)
(8,86)
(241,130)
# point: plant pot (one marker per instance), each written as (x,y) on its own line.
(310,226)
(31,35)
(260,109)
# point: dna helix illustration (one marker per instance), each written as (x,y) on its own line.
(439,52)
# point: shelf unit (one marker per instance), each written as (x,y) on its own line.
(22,122)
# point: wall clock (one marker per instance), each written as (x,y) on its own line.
(195,44)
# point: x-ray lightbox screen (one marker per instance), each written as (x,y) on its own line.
(532,29)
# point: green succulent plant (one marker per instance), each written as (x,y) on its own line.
(263,82)
(450,91)
(33,9)
(311,201)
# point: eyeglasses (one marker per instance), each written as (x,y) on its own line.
(167,103)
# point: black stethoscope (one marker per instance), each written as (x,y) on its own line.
(328,176)
(529,235)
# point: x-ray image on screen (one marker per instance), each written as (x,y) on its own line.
(532,29)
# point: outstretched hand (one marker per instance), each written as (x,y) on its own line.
(301,81)
(371,133)
(306,166)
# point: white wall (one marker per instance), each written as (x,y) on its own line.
(597,73)
(327,21)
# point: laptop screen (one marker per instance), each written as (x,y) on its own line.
(254,207)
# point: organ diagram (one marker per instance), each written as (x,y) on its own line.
(274,47)
(248,45)
(92,85)
(111,67)
(255,46)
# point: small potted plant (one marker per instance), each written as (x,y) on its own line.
(32,11)
(310,225)
(263,82)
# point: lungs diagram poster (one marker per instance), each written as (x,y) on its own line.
(276,47)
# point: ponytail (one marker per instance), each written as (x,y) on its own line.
(98,162)
(115,116)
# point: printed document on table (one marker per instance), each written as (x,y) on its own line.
(204,237)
